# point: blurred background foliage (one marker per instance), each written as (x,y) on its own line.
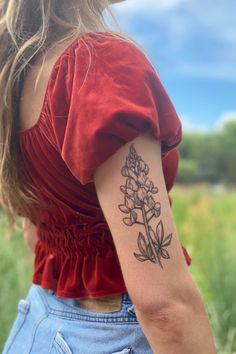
(209,157)
(204,208)
(206,224)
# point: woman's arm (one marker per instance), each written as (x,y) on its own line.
(29,233)
(131,190)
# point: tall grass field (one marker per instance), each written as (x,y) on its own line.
(206,224)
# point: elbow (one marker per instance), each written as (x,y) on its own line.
(169,312)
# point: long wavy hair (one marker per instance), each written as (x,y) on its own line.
(29,28)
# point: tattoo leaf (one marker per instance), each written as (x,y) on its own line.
(131,183)
(124,172)
(146,170)
(164,253)
(140,257)
(154,190)
(133,216)
(129,203)
(123,208)
(127,221)
(142,244)
(157,209)
(167,240)
(123,189)
(137,200)
(142,193)
(129,192)
(160,233)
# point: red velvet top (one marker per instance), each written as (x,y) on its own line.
(102,93)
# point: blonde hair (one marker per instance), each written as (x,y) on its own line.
(27,28)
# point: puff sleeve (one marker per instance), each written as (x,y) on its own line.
(119,97)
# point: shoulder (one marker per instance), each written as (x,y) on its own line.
(103,50)
(97,57)
(110,40)
(111,50)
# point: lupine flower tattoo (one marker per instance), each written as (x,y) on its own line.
(140,207)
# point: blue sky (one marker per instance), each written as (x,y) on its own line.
(192,45)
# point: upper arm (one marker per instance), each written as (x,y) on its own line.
(132,193)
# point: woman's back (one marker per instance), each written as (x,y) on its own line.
(35,85)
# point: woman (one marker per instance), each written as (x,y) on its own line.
(88,156)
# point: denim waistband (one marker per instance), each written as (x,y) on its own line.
(47,324)
(69,309)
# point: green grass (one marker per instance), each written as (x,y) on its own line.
(206,225)
(15,274)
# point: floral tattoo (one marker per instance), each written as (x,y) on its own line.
(140,207)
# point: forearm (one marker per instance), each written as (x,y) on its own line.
(178,329)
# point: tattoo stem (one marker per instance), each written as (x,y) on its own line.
(148,236)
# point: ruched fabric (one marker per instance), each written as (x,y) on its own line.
(102,93)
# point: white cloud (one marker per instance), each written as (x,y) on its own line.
(189,125)
(147,8)
(224,118)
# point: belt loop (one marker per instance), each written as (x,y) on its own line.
(125,297)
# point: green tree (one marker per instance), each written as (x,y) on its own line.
(209,156)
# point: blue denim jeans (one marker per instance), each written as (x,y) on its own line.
(46,324)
